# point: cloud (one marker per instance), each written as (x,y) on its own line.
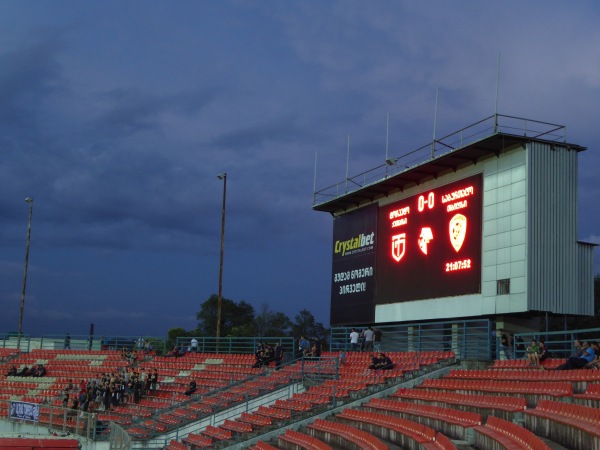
(117,127)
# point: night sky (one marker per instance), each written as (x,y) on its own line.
(116,117)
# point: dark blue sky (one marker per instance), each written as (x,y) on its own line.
(117,116)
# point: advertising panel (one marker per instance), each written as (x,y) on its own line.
(353,275)
(430,244)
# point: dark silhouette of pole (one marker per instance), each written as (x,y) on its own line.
(223,177)
(30,201)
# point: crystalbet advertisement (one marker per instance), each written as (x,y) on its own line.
(353,275)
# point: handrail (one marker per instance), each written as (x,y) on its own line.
(489,126)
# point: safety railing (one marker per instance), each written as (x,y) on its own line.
(559,343)
(497,123)
(468,339)
(55,419)
(233,345)
(82,342)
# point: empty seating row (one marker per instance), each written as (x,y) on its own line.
(524,363)
(526,375)
(573,425)
(449,421)
(502,406)
(302,440)
(509,435)
(405,432)
(556,388)
(344,433)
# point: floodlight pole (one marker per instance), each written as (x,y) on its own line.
(30,201)
(223,177)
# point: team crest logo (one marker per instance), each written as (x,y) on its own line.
(458,231)
(398,246)
(424,238)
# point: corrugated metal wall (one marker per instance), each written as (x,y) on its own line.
(585,252)
(554,259)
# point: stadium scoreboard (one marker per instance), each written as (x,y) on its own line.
(427,245)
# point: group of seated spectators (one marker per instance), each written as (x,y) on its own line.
(584,355)
(191,389)
(537,352)
(308,350)
(380,361)
(266,353)
(175,352)
(37,370)
(129,355)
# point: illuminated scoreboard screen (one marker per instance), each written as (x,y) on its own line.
(429,245)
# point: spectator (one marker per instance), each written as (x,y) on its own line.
(354,340)
(543,351)
(595,364)
(374,362)
(278,355)
(82,391)
(385,363)
(65,401)
(12,372)
(577,362)
(154,381)
(303,346)
(67,343)
(192,388)
(368,334)
(577,350)
(85,404)
(194,345)
(342,358)
(377,334)
(174,353)
(505,350)
(533,353)
(262,356)
(143,380)
(73,412)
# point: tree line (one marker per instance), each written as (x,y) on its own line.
(240,319)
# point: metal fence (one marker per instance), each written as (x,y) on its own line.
(82,342)
(468,339)
(497,123)
(55,419)
(232,345)
(559,343)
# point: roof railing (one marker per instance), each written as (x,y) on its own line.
(494,124)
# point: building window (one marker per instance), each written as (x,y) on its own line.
(503,287)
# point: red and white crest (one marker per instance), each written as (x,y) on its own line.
(458,231)
(398,246)
(425,238)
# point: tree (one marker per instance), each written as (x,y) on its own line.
(172,336)
(235,317)
(306,325)
(271,324)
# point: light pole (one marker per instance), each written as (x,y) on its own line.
(222,176)
(30,201)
